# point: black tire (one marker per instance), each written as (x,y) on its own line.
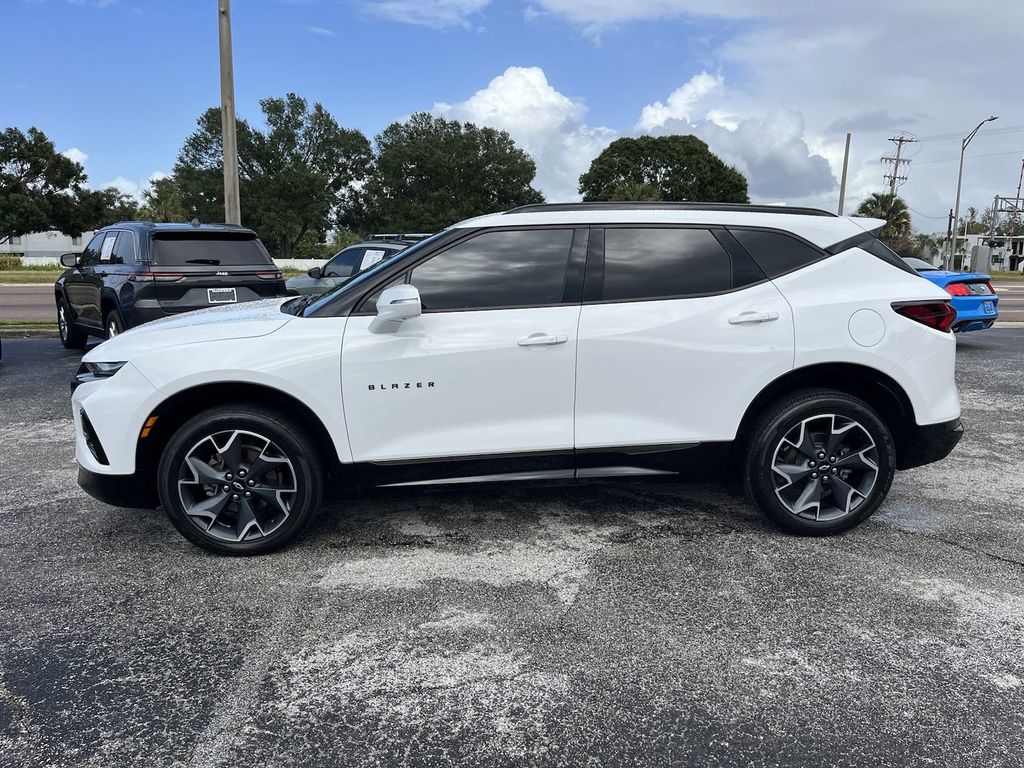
(71,336)
(179,485)
(780,478)
(113,324)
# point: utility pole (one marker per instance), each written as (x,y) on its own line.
(959,183)
(232,208)
(846,166)
(894,178)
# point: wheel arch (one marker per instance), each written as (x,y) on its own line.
(174,411)
(877,389)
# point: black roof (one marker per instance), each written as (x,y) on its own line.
(654,205)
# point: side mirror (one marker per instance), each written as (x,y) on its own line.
(395,305)
(69,259)
(315,272)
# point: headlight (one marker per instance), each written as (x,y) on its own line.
(103,369)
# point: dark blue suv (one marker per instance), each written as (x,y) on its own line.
(137,271)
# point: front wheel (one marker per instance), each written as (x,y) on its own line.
(819,462)
(70,335)
(240,480)
(113,323)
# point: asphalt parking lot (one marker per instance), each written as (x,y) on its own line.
(631,624)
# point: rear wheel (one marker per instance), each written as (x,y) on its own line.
(820,462)
(240,481)
(113,323)
(70,335)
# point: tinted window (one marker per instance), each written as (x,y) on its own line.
(91,254)
(776,253)
(659,263)
(497,269)
(919,265)
(877,248)
(345,263)
(124,248)
(215,249)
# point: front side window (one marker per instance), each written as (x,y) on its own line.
(91,254)
(518,268)
(776,252)
(651,263)
(344,264)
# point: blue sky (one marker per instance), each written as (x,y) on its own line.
(121,82)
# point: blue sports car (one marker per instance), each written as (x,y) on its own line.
(974,298)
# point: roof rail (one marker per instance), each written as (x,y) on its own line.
(400,236)
(654,205)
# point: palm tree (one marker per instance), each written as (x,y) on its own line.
(897,232)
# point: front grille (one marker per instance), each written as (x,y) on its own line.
(93,442)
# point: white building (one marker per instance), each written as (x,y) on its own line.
(41,248)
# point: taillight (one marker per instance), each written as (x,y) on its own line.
(935,314)
(155,277)
(958,289)
(271,275)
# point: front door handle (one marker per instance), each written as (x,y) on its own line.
(752,318)
(542,339)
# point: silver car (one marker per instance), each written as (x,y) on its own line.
(343,266)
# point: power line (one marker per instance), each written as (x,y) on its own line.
(989,154)
(960,134)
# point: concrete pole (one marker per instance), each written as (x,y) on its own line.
(232,208)
(842,183)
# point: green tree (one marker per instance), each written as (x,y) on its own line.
(296,176)
(161,201)
(39,187)
(101,207)
(897,230)
(431,172)
(678,168)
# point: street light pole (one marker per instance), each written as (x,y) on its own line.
(232,208)
(959,181)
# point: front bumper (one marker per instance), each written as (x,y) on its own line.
(930,443)
(119,490)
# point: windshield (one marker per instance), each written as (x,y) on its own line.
(919,264)
(357,281)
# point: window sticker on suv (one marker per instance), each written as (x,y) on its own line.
(370,258)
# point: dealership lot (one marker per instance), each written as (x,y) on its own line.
(633,624)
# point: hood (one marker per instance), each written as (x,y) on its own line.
(236,321)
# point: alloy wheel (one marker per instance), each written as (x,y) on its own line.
(237,485)
(825,467)
(62,323)
(111,329)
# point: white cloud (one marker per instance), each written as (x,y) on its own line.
(321,31)
(131,187)
(549,125)
(438,14)
(123,185)
(681,102)
(803,72)
(74,153)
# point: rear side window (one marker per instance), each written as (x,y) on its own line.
(776,252)
(524,268)
(880,250)
(649,263)
(124,249)
(215,249)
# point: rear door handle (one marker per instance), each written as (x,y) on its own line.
(542,339)
(752,318)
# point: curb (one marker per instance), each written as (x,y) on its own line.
(29,333)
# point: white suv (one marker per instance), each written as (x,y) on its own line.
(785,348)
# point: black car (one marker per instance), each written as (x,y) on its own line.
(137,271)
